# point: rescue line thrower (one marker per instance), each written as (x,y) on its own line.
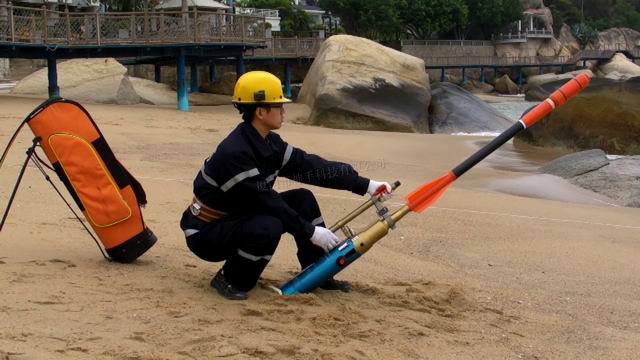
(355,245)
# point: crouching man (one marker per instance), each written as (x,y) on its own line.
(238,218)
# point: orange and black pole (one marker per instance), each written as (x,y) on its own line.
(420,199)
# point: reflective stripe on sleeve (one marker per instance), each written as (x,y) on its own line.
(236,179)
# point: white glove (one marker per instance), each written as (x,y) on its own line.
(324,238)
(375,185)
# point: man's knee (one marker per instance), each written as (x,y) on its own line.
(304,202)
(263,232)
(305,195)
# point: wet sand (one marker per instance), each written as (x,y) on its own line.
(482,274)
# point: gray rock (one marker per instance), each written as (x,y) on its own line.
(620,180)
(477,87)
(504,85)
(223,85)
(576,164)
(534,92)
(295,91)
(85,80)
(614,75)
(548,78)
(356,83)
(453,109)
(605,115)
(621,65)
(617,37)
(567,39)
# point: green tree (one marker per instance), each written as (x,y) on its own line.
(625,15)
(373,19)
(293,20)
(564,11)
(487,17)
(423,18)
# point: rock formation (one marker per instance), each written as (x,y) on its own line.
(356,83)
(454,110)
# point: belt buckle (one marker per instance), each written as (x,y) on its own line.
(195,209)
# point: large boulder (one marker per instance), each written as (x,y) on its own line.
(151,92)
(455,110)
(620,180)
(567,39)
(355,83)
(606,115)
(547,78)
(478,87)
(617,38)
(504,85)
(534,90)
(576,164)
(614,75)
(620,64)
(224,85)
(552,48)
(91,80)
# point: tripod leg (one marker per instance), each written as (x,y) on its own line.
(30,152)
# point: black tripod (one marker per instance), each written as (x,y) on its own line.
(39,163)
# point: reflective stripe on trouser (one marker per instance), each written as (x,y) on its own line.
(261,235)
(243,267)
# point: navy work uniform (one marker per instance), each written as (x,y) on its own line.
(237,216)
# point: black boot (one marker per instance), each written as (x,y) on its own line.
(220,283)
(333,284)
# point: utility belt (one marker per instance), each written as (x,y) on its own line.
(203,212)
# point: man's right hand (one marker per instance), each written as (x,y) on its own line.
(324,238)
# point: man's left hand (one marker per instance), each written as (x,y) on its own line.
(375,185)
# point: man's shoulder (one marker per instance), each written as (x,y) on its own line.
(233,142)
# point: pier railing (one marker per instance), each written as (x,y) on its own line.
(450,43)
(289,47)
(43,26)
(495,60)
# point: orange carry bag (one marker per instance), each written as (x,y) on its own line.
(106,193)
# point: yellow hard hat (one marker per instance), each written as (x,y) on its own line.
(258,87)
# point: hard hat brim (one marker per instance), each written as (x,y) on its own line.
(278,101)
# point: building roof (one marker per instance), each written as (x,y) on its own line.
(201,4)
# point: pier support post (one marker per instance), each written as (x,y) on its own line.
(442,75)
(464,75)
(52,74)
(240,65)
(157,73)
(195,87)
(482,75)
(287,80)
(183,94)
(212,73)
(519,77)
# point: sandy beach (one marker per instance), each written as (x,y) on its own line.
(483,274)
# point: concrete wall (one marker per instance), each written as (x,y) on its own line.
(4,69)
